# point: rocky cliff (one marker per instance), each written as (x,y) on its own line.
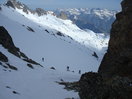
(118,59)
(114,77)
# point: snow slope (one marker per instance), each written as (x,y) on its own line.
(38,83)
(64,26)
(60,52)
(60,42)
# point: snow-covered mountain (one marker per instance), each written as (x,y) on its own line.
(95,19)
(50,41)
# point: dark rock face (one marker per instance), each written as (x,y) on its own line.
(0,8)
(12,67)
(88,83)
(127,5)
(29,65)
(114,77)
(93,86)
(30,29)
(118,59)
(60,34)
(10,3)
(3,58)
(31,61)
(6,41)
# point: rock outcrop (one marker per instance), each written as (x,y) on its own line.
(3,58)
(118,59)
(40,11)
(14,4)
(11,3)
(0,8)
(93,86)
(7,42)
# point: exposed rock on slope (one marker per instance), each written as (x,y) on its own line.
(7,42)
(93,86)
(10,3)
(40,11)
(118,59)
(0,8)
(16,4)
(3,58)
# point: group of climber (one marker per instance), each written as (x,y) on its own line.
(68,68)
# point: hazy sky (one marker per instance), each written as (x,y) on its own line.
(53,4)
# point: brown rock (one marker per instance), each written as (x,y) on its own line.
(93,86)
(118,59)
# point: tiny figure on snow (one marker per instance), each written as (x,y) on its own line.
(79,72)
(43,59)
(68,68)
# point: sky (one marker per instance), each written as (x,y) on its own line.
(54,4)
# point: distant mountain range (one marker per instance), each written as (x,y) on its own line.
(96,19)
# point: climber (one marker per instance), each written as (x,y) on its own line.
(68,68)
(43,59)
(79,72)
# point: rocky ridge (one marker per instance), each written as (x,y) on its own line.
(16,4)
(118,59)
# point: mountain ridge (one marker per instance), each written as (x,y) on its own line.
(16,4)
(97,19)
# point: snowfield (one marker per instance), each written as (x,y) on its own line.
(38,83)
(60,42)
